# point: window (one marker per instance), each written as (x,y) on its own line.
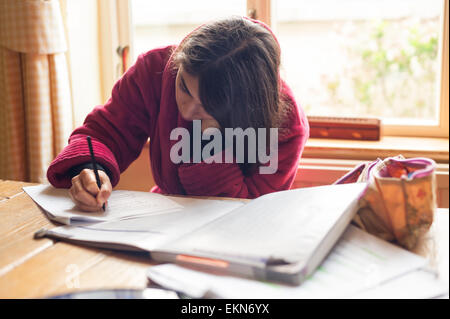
(364,58)
(157,23)
(384,58)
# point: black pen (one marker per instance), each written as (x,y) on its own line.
(94,164)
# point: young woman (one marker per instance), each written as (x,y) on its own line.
(224,73)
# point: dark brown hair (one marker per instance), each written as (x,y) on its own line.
(237,63)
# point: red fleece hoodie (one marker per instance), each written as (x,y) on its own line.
(142,106)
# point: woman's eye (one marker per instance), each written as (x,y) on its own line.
(182,88)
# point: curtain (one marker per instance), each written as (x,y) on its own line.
(35,96)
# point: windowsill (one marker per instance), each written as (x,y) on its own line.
(434,148)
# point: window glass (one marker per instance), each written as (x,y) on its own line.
(362,57)
(158,23)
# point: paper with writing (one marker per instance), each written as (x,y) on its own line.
(358,262)
(121,205)
(281,226)
(152,231)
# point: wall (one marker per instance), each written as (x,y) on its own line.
(138,175)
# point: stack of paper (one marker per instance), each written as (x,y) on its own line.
(121,205)
(151,231)
(360,266)
(281,236)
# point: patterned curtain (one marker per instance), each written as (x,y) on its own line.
(35,96)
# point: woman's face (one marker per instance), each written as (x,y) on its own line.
(188,101)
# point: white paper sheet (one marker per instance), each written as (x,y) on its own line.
(121,205)
(419,284)
(152,231)
(358,262)
(288,225)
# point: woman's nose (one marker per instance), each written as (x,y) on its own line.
(192,111)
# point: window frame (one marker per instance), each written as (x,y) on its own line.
(263,11)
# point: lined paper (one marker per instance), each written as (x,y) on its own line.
(358,262)
(121,205)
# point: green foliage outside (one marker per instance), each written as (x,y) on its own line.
(392,71)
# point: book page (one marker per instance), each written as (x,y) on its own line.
(151,231)
(122,204)
(287,225)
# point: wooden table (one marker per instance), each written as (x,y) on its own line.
(32,268)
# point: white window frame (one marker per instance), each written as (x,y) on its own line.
(119,11)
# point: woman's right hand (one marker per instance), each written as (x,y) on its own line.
(85,192)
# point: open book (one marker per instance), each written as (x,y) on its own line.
(281,236)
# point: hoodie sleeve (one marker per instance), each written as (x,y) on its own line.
(119,128)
